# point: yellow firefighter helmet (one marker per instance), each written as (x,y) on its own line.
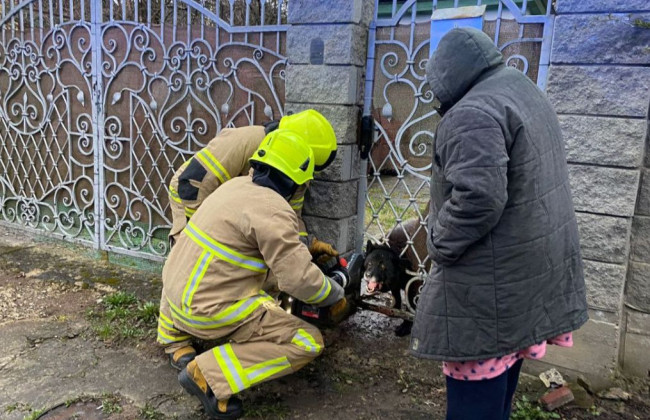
(288,152)
(318,133)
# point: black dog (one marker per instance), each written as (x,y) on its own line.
(385,270)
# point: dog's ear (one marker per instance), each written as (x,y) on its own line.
(369,246)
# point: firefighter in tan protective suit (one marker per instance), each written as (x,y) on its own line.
(213,278)
(226,156)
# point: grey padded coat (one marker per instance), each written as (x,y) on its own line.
(502,229)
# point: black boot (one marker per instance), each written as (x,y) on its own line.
(181,357)
(193,381)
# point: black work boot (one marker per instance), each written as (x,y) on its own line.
(193,381)
(181,357)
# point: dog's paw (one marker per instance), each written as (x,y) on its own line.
(404,329)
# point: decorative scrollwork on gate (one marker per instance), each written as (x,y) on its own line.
(164,102)
(46,173)
(102,100)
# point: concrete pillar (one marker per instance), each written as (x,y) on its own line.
(330,80)
(599,83)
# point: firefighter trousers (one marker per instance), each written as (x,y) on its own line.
(267,344)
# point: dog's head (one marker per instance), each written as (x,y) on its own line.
(381,267)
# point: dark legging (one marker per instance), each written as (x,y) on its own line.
(482,400)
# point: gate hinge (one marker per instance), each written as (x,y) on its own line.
(365,135)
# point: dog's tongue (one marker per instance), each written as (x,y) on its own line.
(373,286)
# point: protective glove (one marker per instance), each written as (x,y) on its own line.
(320,248)
(339,311)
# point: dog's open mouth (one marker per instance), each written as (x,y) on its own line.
(373,287)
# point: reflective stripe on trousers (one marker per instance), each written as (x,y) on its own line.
(305,341)
(167,334)
(239,378)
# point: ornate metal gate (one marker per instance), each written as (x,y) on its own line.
(101,100)
(394,186)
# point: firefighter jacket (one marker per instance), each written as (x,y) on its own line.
(215,272)
(225,157)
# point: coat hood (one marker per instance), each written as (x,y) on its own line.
(462,56)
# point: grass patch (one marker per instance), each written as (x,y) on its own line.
(525,409)
(17,407)
(149,413)
(148,311)
(111,404)
(594,411)
(123,317)
(33,414)
(640,23)
(120,300)
(382,213)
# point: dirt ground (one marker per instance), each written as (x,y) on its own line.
(56,365)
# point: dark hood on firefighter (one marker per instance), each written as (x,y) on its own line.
(269,177)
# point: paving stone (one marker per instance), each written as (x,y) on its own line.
(640,242)
(343,44)
(643,204)
(637,289)
(636,357)
(331,11)
(333,200)
(320,84)
(604,283)
(344,118)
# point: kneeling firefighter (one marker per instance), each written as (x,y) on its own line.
(213,278)
(226,156)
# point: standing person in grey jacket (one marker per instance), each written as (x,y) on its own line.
(508,274)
